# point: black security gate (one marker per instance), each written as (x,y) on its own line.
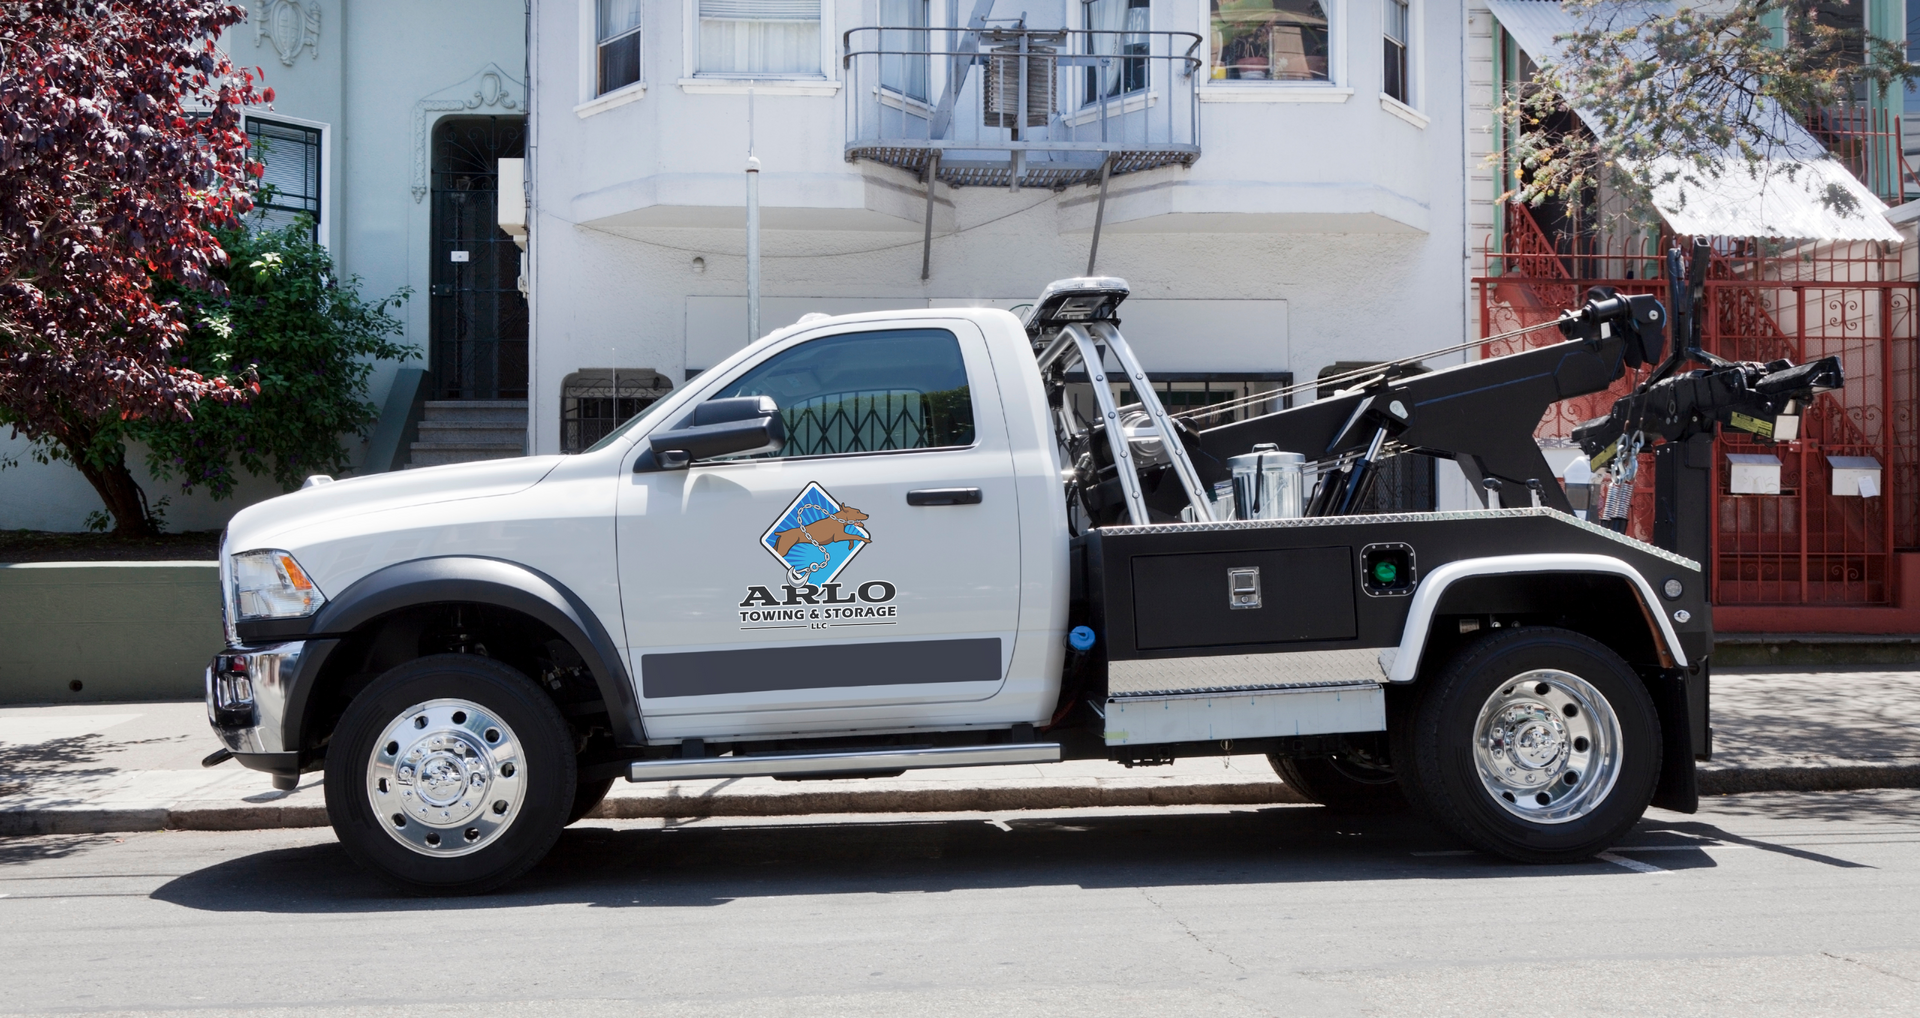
(479,316)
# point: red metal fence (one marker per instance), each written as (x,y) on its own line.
(1765,301)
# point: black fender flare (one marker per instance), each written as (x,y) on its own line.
(478,580)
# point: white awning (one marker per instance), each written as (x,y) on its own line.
(1787,199)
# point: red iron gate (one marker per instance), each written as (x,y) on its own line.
(1807,547)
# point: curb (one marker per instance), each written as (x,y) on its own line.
(987,799)
(1832,778)
(1813,650)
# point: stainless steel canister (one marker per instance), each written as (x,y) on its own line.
(1268,484)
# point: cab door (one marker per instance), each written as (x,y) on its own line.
(866,573)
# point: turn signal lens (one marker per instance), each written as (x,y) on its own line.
(271,585)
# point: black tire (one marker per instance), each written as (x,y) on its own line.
(541,762)
(587,793)
(1354,782)
(1439,750)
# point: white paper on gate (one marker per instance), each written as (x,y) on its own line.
(1870,486)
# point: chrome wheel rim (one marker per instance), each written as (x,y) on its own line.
(446,778)
(1547,746)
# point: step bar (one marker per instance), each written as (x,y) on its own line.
(823,764)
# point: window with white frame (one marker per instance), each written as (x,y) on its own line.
(758,37)
(1271,40)
(290,185)
(1395,81)
(1120,34)
(617,44)
(904,43)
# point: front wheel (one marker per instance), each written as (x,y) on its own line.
(1537,744)
(451,774)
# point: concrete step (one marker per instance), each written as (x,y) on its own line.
(462,432)
(493,411)
(434,454)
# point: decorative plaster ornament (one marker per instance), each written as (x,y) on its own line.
(291,25)
(490,89)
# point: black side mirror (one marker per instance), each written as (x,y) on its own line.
(720,427)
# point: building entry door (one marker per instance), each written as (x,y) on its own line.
(478,314)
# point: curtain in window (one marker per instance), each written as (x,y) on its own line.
(904,74)
(760,36)
(618,34)
(1118,76)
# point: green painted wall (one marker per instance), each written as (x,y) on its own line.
(122,630)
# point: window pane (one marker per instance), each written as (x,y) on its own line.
(868,392)
(617,17)
(1121,76)
(1394,82)
(902,72)
(291,184)
(760,36)
(1269,40)
(620,63)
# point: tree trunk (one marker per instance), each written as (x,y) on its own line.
(102,460)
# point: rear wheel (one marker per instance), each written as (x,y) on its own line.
(1357,780)
(451,774)
(1537,744)
(588,793)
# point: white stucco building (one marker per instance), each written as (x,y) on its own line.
(1287,188)
(1303,199)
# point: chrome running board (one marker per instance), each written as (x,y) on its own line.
(863,762)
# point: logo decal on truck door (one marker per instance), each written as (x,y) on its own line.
(814,540)
(817,536)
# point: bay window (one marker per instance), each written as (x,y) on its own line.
(904,28)
(1394,82)
(1270,40)
(617,44)
(758,37)
(1122,25)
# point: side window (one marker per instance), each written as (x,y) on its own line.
(867,392)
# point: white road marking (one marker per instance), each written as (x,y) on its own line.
(1675,848)
(1002,824)
(1632,864)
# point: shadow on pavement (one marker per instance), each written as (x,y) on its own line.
(709,863)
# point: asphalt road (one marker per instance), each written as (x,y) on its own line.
(1783,904)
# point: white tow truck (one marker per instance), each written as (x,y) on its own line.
(887,541)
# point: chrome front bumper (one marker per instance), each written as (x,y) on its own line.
(248,689)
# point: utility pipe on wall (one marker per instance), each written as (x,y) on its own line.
(753,229)
(753,248)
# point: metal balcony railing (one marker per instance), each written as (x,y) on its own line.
(1045,108)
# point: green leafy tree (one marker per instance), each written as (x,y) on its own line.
(1677,97)
(300,339)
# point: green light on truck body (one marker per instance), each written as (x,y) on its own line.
(1385,572)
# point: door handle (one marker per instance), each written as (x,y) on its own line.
(944,496)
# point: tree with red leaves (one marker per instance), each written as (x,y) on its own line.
(122,149)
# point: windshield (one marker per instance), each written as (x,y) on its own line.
(632,422)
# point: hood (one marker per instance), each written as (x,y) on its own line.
(260,526)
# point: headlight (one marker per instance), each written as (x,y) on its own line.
(271,585)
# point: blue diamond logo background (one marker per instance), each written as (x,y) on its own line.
(816,537)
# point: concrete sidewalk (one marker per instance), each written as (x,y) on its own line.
(130,767)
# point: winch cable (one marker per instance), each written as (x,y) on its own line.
(1369,371)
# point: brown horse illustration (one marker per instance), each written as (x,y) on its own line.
(823,531)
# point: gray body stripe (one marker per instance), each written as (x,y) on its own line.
(760,669)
